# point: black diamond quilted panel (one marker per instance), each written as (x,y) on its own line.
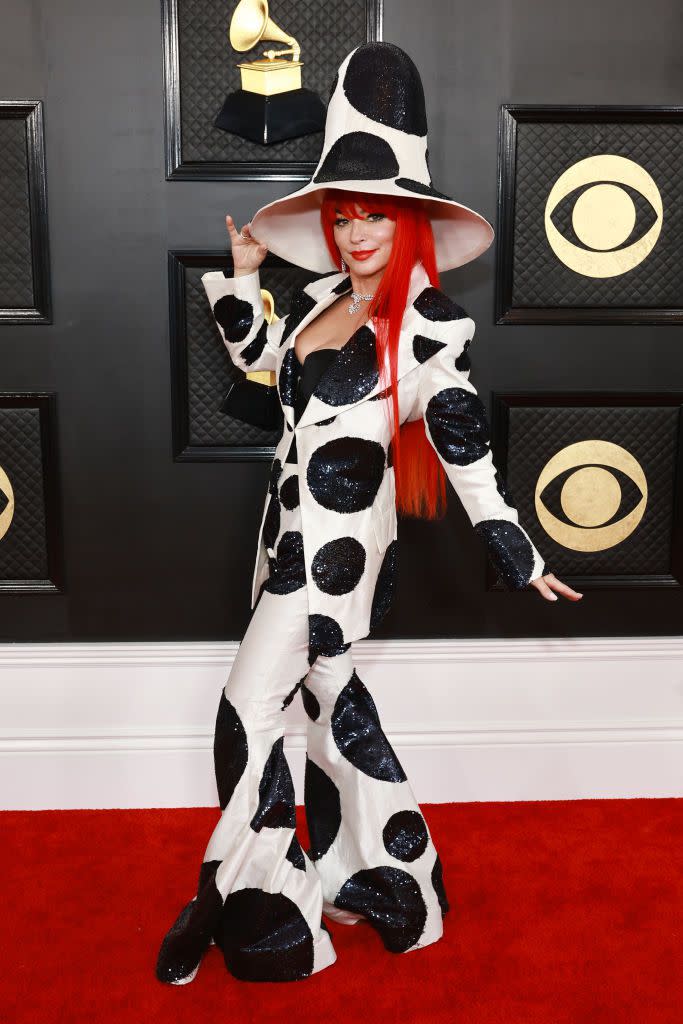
(545,152)
(23,539)
(16,275)
(605,475)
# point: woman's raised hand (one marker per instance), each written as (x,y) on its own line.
(247,253)
(546,584)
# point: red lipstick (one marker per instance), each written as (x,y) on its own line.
(362,254)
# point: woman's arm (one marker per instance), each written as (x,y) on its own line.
(457,428)
(240,315)
(238,307)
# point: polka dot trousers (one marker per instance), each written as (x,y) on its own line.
(260,896)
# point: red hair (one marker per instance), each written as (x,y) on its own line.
(420,477)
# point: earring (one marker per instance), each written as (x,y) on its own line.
(343,266)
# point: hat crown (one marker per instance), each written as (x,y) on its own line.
(376,123)
(375,141)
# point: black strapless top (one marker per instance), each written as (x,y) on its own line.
(310,372)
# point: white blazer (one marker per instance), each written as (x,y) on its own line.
(346,479)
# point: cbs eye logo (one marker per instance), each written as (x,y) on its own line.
(6,503)
(602,196)
(591,483)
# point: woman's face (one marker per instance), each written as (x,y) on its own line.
(371,233)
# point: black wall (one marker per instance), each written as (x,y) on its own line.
(162,550)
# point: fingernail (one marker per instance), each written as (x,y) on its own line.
(554,597)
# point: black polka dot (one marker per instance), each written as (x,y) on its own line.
(287,379)
(265,937)
(405,835)
(424,347)
(399,101)
(325,636)
(433,304)
(289,492)
(292,453)
(343,286)
(338,565)
(462,362)
(509,550)
(385,586)
(287,569)
(458,425)
(358,156)
(300,304)
(230,750)
(359,736)
(353,372)
(291,695)
(207,873)
(255,347)
(275,473)
(345,474)
(439,889)
(392,902)
(295,855)
(190,935)
(271,522)
(276,792)
(503,489)
(235,316)
(325,423)
(420,188)
(390,455)
(323,809)
(310,703)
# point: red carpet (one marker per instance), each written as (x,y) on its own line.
(561,913)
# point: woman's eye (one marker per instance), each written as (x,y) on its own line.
(340,221)
(377,215)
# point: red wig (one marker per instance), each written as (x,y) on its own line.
(420,477)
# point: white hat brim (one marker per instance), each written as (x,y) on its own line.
(291,227)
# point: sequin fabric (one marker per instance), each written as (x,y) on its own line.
(383,83)
(345,474)
(433,304)
(235,316)
(405,835)
(457,422)
(509,551)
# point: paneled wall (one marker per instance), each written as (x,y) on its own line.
(159,549)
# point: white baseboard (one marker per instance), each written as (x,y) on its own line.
(131,724)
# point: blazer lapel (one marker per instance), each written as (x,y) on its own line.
(317,296)
(354,359)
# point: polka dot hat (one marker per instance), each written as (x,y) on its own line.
(375,141)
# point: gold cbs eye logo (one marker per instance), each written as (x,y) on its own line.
(6,503)
(594,478)
(604,215)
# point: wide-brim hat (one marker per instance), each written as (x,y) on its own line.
(375,141)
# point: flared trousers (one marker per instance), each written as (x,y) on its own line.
(260,896)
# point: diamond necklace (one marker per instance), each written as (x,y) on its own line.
(355,305)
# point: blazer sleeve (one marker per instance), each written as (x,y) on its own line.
(238,310)
(456,426)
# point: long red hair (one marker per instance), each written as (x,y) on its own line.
(420,477)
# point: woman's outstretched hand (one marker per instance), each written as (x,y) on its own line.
(544,584)
(247,253)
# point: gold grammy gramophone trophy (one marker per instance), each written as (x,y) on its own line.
(272,105)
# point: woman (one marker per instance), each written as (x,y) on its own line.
(378,410)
